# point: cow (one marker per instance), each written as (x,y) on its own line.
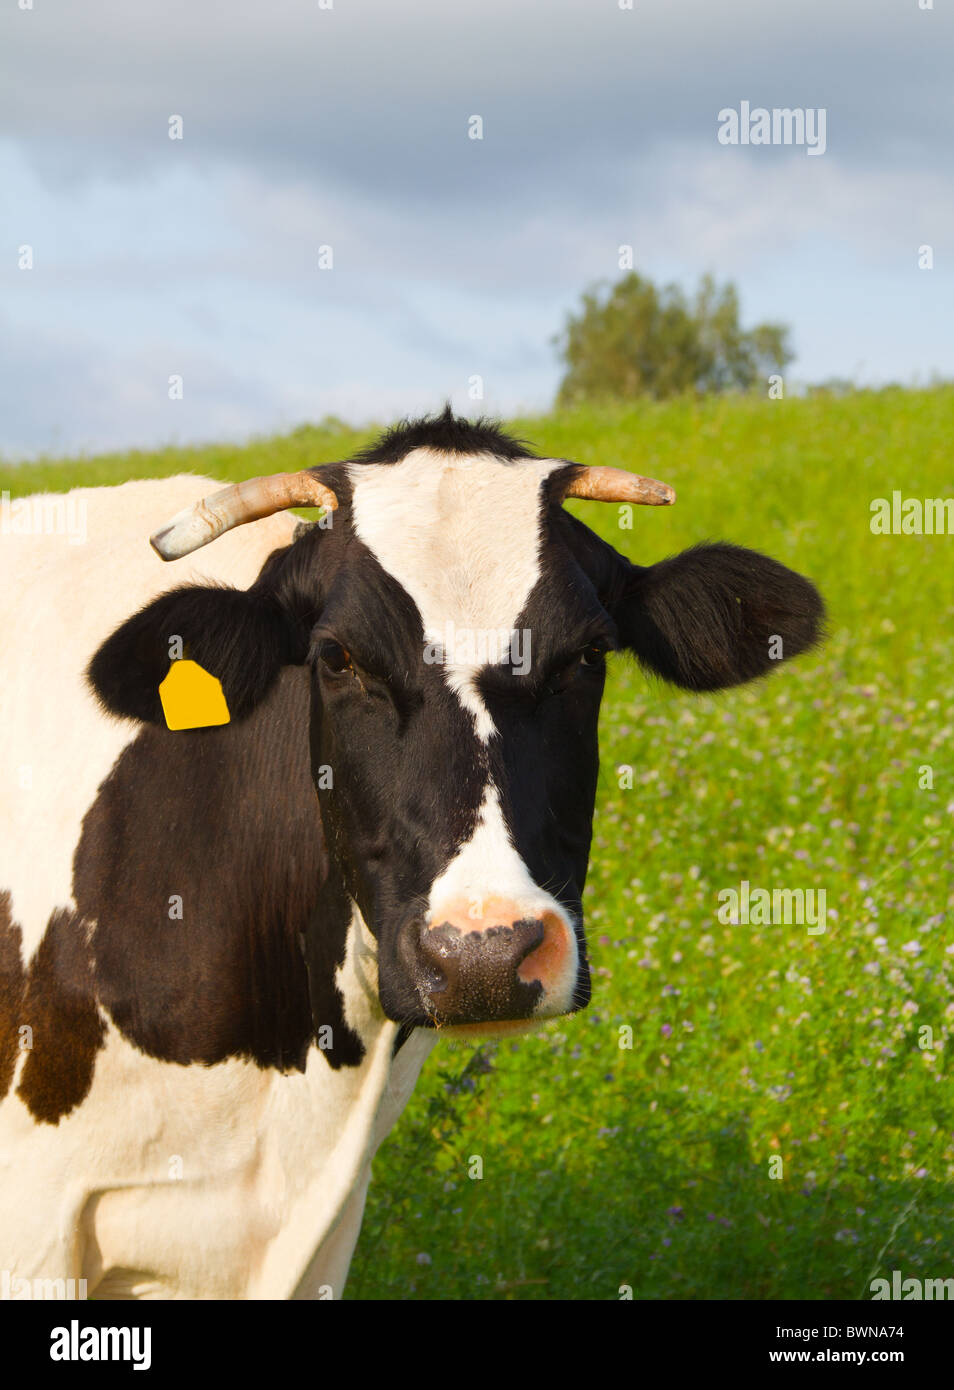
(229,941)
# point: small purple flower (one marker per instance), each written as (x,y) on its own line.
(666,1030)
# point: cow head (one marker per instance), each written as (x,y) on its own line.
(455,621)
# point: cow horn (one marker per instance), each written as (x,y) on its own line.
(234,506)
(616,485)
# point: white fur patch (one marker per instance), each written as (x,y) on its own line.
(461,535)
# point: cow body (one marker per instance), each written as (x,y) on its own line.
(148,1177)
(226,950)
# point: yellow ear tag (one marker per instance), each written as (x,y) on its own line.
(191,698)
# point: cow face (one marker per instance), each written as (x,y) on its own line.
(455,621)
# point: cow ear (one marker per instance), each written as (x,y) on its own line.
(243,638)
(717,615)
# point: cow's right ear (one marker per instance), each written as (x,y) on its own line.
(717,616)
(242,637)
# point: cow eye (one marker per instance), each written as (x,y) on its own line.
(335,657)
(593,655)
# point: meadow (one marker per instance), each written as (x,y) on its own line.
(743,1112)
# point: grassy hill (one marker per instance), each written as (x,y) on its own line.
(650,1166)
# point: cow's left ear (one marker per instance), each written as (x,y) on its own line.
(717,615)
(243,638)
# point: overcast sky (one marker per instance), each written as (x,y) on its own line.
(347,127)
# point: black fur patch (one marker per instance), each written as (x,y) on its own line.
(447,433)
(12,985)
(225,819)
(59,1005)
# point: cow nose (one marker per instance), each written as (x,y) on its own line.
(493,961)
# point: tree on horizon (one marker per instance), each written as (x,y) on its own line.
(633,339)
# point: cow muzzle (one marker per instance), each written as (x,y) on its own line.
(493,962)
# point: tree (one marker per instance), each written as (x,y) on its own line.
(632,339)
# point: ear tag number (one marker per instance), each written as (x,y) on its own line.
(191,698)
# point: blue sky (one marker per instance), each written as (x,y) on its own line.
(453,257)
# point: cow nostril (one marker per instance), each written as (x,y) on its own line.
(533,939)
(432,980)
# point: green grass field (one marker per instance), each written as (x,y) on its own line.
(649,1165)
